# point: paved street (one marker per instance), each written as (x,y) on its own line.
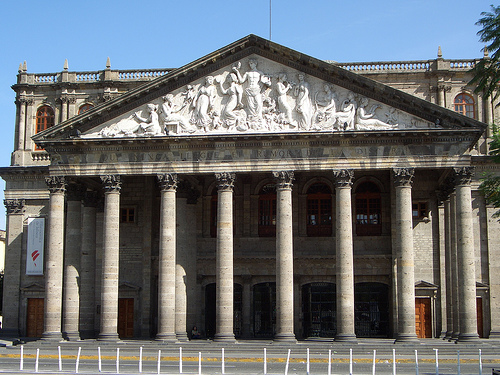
(246,357)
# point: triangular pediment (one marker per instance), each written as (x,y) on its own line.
(254,87)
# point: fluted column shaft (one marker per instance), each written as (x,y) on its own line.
(166,278)
(405,257)
(466,256)
(224,258)
(284,256)
(71,290)
(87,266)
(54,260)
(110,259)
(344,256)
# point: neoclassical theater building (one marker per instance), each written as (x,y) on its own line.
(256,192)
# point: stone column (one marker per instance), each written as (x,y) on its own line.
(21,123)
(166,277)
(344,256)
(466,256)
(284,256)
(88,266)
(12,273)
(110,259)
(246,299)
(224,258)
(454,268)
(64,107)
(72,251)
(404,249)
(447,267)
(54,260)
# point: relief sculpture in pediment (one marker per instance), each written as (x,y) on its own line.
(265,98)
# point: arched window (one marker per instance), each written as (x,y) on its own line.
(267,211)
(319,211)
(85,107)
(44,118)
(368,210)
(464,104)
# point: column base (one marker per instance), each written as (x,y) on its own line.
(166,337)
(52,336)
(347,338)
(407,338)
(108,337)
(182,336)
(285,338)
(495,335)
(71,336)
(468,337)
(224,337)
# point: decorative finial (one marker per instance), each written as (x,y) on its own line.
(108,63)
(20,70)
(440,53)
(25,67)
(486,54)
(65,64)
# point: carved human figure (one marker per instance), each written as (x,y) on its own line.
(282,88)
(170,114)
(346,118)
(229,116)
(135,124)
(304,105)
(324,101)
(253,92)
(203,104)
(365,120)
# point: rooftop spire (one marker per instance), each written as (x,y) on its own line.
(108,63)
(440,53)
(65,64)
(25,67)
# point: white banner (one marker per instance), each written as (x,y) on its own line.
(36,240)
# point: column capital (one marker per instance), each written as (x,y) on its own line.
(56,184)
(111,183)
(403,176)
(284,179)
(343,177)
(167,181)
(14,206)
(225,181)
(463,175)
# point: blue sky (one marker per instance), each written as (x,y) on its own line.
(167,34)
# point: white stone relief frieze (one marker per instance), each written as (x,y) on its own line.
(257,95)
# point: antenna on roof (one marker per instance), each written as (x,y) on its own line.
(270,18)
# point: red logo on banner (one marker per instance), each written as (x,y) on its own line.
(35,254)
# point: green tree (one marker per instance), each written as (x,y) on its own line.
(486,80)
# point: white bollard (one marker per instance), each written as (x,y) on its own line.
(60,359)
(307,366)
(437,362)
(99,358)
(159,361)
(373,367)
(329,362)
(180,360)
(458,362)
(77,364)
(416,362)
(287,362)
(21,359)
(223,369)
(37,358)
(393,361)
(480,363)
(117,360)
(199,363)
(265,361)
(140,359)
(350,361)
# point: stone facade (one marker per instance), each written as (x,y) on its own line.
(256,192)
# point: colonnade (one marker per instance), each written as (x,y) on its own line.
(69,313)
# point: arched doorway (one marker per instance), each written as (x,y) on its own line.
(371,311)
(211,312)
(319,309)
(264,310)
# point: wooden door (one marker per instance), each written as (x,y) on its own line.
(34,319)
(479,310)
(423,316)
(126,317)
